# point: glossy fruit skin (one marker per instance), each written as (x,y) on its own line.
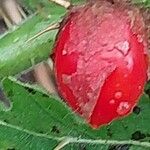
(100,61)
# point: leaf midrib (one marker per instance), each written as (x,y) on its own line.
(76,140)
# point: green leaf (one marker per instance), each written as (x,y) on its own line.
(39,121)
(145,3)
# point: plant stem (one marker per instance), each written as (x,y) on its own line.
(17,55)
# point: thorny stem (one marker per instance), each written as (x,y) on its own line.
(63,3)
(42,74)
(49,28)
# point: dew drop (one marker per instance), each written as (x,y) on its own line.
(80,89)
(118,95)
(139,87)
(88,78)
(66,79)
(123,47)
(90,95)
(64,52)
(117,85)
(80,64)
(81,104)
(84,42)
(125,76)
(140,38)
(129,63)
(123,108)
(112,101)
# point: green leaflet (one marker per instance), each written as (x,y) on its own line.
(38,121)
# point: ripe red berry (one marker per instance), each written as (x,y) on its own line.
(101,60)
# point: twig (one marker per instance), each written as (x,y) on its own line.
(51,27)
(63,3)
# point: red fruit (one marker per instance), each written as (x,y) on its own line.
(101,61)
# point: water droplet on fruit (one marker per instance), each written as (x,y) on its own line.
(123,108)
(140,38)
(66,79)
(88,78)
(123,47)
(126,75)
(139,87)
(118,95)
(81,104)
(84,42)
(129,63)
(112,101)
(90,95)
(117,85)
(80,64)
(64,52)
